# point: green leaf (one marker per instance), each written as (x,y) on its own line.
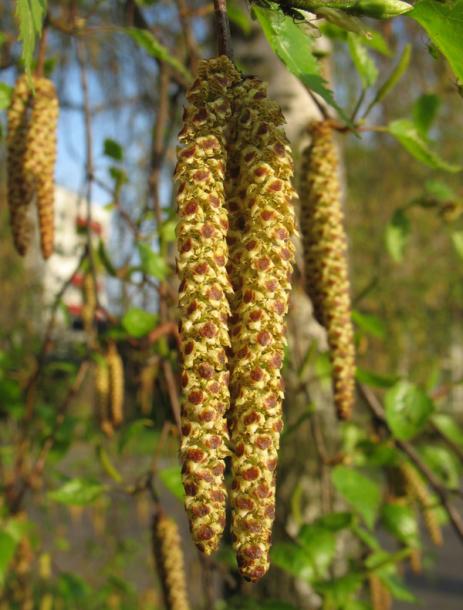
(407,409)
(171,477)
(167,231)
(363,62)
(400,521)
(291,558)
(8,546)
(406,132)
(335,521)
(359,491)
(457,241)
(393,79)
(397,588)
(369,323)
(424,112)
(138,322)
(338,591)
(30,15)
(449,427)
(397,234)
(443,463)
(373,379)
(153,263)
(294,47)
(319,543)
(443,22)
(5,95)
(153,47)
(239,17)
(439,190)
(77,492)
(113,149)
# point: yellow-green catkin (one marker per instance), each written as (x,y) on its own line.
(418,490)
(102,391)
(89,303)
(116,385)
(203,290)
(40,158)
(168,554)
(261,260)
(18,196)
(379,594)
(325,259)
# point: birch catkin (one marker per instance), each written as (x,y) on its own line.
(325,259)
(168,556)
(116,385)
(261,257)
(18,196)
(40,158)
(203,290)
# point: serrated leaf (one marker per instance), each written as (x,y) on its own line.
(294,47)
(30,15)
(363,62)
(443,463)
(406,132)
(113,149)
(153,263)
(77,492)
(407,409)
(400,521)
(449,427)
(138,322)
(5,95)
(359,491)
(443,22)
(153,47)
(319,543)
(171,477)
(424,112)
(397,234)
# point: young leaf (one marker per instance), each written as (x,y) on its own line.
(8,546)
(363,62)
(397,234)
(407,133)
(113,149)
(291,558)
(152,262)
(239,17)
(171,476)
(294,47)
(5,95)
(138,322)
(449,427)
(443,463)
(369,324)
(393,79)
(400,521)
(424,112)
(407,409)
(443,21)
(77,492)
(320,545)
(153,47)
(30,15)
(360,492)
(457,241)
(374,379)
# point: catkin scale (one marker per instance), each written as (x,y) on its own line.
(40,158)
(18,196)
(325,259)
(260,266)
(203,305)
(116,385)
(167,551)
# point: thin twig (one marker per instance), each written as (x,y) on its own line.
(222,25)
(41,56)
(376,408)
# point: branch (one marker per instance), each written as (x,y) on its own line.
(442,493)
(222,24)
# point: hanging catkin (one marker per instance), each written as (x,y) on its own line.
(417,490)
(116,385)
(102,392)
(325,259)
(203,290)
(379,594)
(168,554)
(40,158)
(18,196)
(261,258)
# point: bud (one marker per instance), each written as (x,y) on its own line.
(325,259)
(203,305)
(261,258)
(168,555)
(380,9)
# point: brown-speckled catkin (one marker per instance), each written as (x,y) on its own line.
(40,158)
(261,259)
(168,554)
(325,259)
(203,305)
(18,196)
